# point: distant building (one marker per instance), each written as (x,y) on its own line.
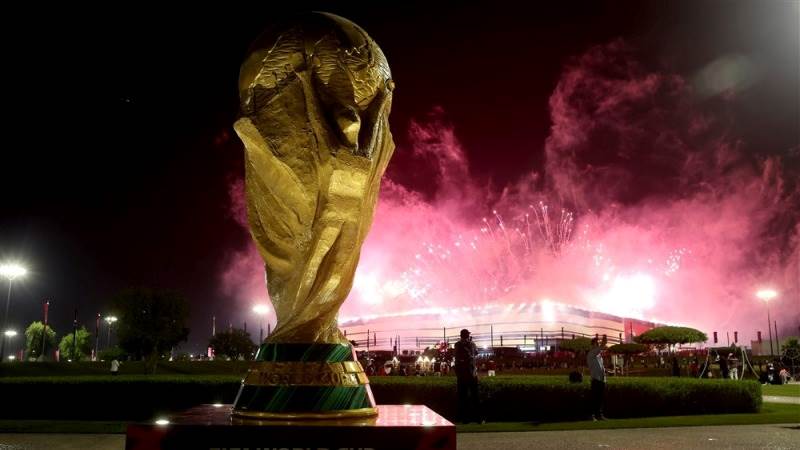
(762,348)
(529,326)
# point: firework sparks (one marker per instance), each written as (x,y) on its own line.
(521,258)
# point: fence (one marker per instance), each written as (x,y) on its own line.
(513,334)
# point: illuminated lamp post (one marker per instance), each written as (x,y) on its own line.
(766,295)
(110,321)
(261,310)
(8,334)
(11,272)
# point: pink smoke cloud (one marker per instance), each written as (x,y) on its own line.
(665,215)
(639,149)
(242,277)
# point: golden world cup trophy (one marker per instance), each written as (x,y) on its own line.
(315,97)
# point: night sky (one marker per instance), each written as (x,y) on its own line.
(119,150)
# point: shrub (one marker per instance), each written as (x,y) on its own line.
(521,398)
(54,369)
(575,377)
(124,397)
(628,349)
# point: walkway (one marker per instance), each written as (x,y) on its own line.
(738,436)
(781,399)
(785,436)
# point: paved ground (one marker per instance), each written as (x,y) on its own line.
(781,399)
(730,437)
(740,436)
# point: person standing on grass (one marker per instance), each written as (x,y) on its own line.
(114,367)
(723,368)
(733,366)
(676,368)
(594,359)
(467,379)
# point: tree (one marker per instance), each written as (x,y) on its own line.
(671,336)
(76,347)
(791,352)
(791,347)
(579,346)
(234,344)
(151,322)
(33,340)
(627,351)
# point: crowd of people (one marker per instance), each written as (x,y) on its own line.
(465,361)
(695,363)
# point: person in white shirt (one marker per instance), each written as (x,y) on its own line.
(114,367)
(594,359)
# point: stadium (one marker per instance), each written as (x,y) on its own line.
(530,327)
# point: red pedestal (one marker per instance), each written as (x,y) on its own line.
(211,427)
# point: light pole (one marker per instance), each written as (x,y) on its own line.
(10,271)
(96,350)
(8,334)
(767,295)
(110,321)
(261,310)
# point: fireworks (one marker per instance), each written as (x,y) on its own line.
(673,262)
(536,254)
(555,235)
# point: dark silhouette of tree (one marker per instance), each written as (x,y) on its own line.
(151,322)
(233,344)
(670,336)
(578,347)
(113,353)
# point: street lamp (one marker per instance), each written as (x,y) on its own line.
(8,334)
(766,295)
(110,321)
(261,310)
(10,271)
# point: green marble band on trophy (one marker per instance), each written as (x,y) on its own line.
(315,97)
(305,381)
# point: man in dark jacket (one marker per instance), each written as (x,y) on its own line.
(594,359)
(723,367)
(467,377)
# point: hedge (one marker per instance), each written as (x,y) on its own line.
(51,368)
(506,398)
(122,397)
(238,368)
(521,398)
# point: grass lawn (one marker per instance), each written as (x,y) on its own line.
(770,413)
(785,390)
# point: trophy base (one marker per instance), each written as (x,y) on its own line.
(304,381)
(213,427)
